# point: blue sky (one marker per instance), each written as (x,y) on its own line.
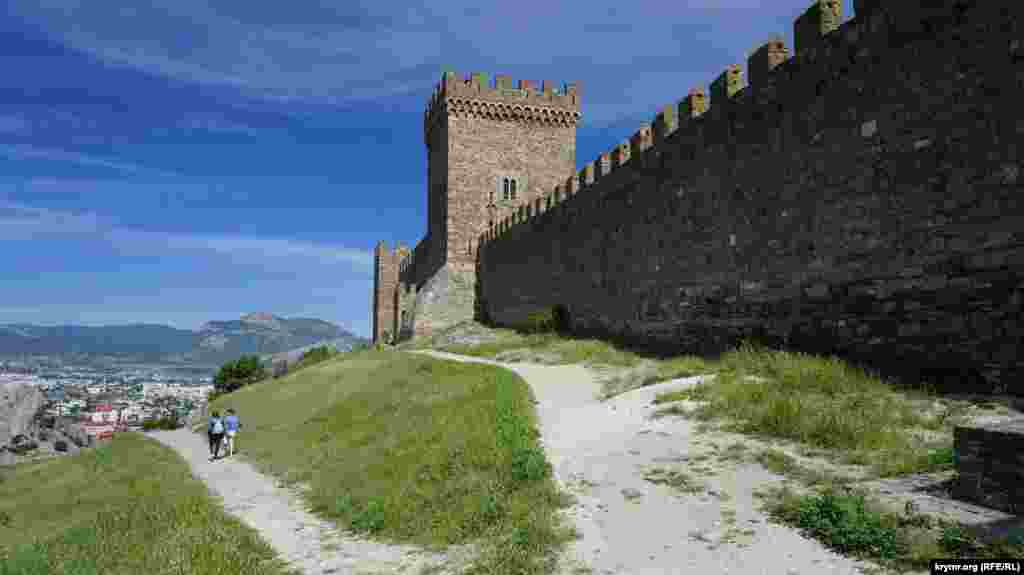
(189,162)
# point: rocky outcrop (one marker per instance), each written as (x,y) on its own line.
(24,433)
(19,406)
(70,431)
(446,299)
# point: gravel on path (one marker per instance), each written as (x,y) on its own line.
(601,451)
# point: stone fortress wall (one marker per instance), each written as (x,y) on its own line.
(863,198)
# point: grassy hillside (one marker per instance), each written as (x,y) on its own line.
(130,506)
(411,449)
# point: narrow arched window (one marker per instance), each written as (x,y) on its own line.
(506,195)
(513,188)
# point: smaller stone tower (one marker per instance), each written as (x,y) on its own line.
(385,280)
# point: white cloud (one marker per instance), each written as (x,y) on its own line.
(258,249)
(29,152)
(310,51)
(214,124)
(21,222)
(19,310)
(13,125)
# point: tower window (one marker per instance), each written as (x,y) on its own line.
(509,188)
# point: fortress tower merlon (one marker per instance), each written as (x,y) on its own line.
(620,154)
(725,86)
(821,18)
(641,140)
(665,123)
(602,166)
(693,105)
(765,59)
(587,176)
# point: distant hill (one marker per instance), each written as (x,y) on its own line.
(214,343)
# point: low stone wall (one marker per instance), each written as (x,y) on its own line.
(990,461)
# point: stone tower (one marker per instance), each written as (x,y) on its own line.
(490,149)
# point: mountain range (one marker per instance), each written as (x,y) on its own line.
(214,343)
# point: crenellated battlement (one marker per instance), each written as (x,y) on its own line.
(476,95)
(774,74)
(814,32)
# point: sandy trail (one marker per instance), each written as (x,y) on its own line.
(629,526)
(313,546)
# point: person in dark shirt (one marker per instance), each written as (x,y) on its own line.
(215,431)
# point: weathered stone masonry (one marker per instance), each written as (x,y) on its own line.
(476,134)
(862,198)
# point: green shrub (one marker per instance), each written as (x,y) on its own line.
(844,523)
(239,373)
(541,321)
(162,423)
(956,540)
(370,518)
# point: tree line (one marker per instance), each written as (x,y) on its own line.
(249,369)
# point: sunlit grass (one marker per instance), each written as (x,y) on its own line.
(824,403)
(130,506)
(412,449)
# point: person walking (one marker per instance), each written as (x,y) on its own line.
(215,430)
(231,427)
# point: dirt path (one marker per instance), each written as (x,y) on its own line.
(311,545)
(600,452)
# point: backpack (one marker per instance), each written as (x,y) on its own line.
(218,427)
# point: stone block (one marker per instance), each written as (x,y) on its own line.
(990,469)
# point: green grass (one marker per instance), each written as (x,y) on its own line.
(819,402)
(824,403)
(676,368)
(784,464)
(412,449)
(566,350)
(129,506)
(848,522)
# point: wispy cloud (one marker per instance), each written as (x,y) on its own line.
(19,310)
(315,52)
(13,125)
(21,222)
(29,152)
(218,125)
(250,248)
